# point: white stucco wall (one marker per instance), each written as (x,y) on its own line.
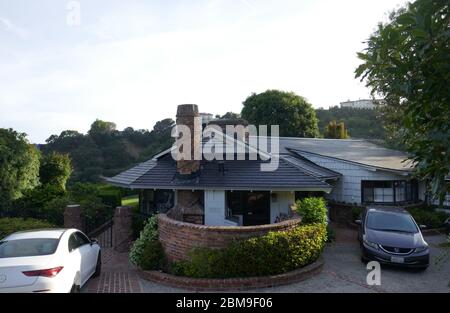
(280,204)
(215,208)
(348,187)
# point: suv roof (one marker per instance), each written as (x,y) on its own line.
(387,209)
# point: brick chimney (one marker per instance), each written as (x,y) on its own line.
(187,114)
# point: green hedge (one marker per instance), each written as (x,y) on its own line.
(10,225)
(148,239)
(270,254)
(429,216)
(312,210)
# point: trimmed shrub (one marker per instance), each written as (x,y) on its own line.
(152,257)
(271,254)
(148,234)
(312,210)
(429,217)
(9,225)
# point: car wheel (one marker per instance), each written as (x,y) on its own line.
(98,268)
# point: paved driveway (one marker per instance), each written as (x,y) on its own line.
(344,272)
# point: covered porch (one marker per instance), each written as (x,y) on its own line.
(223,207)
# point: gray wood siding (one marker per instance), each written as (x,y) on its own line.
(348,187)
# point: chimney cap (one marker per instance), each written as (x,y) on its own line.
(187,109)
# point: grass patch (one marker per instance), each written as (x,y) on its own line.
(132,201)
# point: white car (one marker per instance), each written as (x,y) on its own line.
(50,260)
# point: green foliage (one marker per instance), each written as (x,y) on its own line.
(111,197)
(361,123)
(138,222)
(42,203)
(407,62)
(270,254)
(229,115)
(48,202)
(356,213)
(429,217)
(19,167)
(105,151)
(291,112)
(148,234)
(336,130)
(312,210)
(87,195)
(331,234)
(55,169)
(10,225)
(153,256)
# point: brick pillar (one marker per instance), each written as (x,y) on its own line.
(123,231)
(73,217)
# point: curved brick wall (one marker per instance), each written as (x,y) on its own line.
(179,237)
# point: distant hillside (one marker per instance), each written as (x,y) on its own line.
(361,123)
(105,151)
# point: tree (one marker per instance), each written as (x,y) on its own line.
(336,130)
(102,131)
(291,112)
(229,115)
(361,123)
(407,62)
(19,166)
(55,169)
(164,126)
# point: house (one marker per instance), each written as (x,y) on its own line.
(236,192)
(360,104)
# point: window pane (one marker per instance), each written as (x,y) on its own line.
(73,242)
(400,191)
(368,194)
(82,239)
(27,247)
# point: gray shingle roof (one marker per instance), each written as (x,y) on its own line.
(311,167)
(358,151)
(246,175)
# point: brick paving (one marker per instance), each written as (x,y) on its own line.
(118,275)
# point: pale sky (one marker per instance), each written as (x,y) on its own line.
(132,62)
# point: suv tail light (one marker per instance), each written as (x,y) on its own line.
(51,272)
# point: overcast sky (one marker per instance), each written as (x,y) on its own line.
(132,62)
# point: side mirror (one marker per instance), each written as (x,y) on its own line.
(422,226)
(359,222)
(94,240)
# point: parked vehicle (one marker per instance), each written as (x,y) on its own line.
(391,236)
(49,260)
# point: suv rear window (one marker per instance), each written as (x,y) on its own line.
(28,247)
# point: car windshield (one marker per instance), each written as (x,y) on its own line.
(27,247)
(391,222)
